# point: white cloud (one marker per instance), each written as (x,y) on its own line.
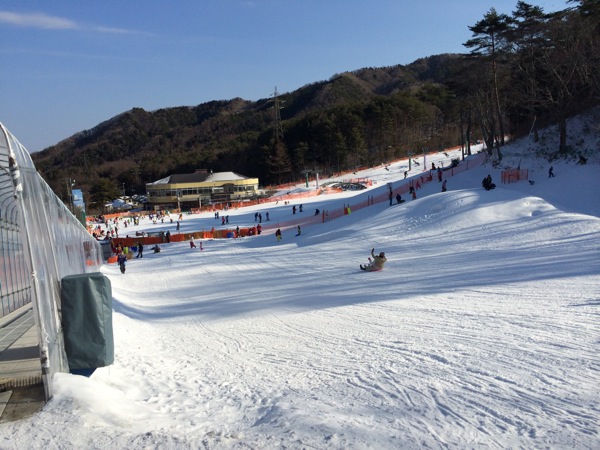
(37,20)
(44,21)
(112,30)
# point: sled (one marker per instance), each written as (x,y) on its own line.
(368,267)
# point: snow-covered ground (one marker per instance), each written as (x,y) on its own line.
(482,331)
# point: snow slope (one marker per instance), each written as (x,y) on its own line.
(482,331)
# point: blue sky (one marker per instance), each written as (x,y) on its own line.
(69,65)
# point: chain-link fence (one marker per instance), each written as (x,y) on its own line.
(41,242)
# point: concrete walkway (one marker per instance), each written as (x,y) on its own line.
(21,387)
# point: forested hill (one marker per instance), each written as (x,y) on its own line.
(522,71)
(139,146)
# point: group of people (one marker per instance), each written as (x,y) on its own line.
(258,217)
(193,243)
(122,253)
(279,235)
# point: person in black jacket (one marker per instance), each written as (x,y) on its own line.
(487,183)
(122,259)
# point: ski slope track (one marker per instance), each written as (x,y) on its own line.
(482,331)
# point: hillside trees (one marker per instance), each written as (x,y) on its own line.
(527,40)
(571,67)
(542,66)
(103,191)
(489,45)
(524,69)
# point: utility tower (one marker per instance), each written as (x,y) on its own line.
(278,130)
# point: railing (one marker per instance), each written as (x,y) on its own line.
(41,242)
(514,175)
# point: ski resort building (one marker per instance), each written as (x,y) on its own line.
(201,188)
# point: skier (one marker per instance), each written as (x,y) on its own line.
(377,263)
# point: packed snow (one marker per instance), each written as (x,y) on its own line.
(482,331)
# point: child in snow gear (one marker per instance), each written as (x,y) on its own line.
(377,264)
(122,259)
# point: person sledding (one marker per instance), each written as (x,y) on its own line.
(376,264)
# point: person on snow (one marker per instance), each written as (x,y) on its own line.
(192,243)
(278,234)
(551,172)
(140,250)
(377,263)
(299,231)
(487,183)
(122,260)
(444,186)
